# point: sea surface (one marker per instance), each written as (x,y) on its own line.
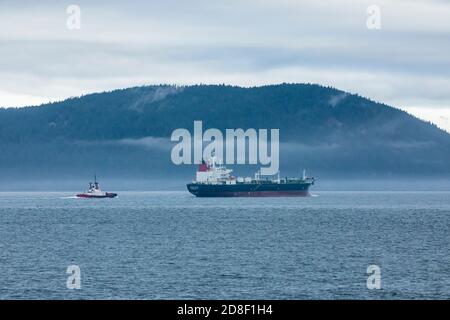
(171,245)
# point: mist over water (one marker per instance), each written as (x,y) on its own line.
(171,245)
(72,185)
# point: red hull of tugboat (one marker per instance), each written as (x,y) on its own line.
(91,196)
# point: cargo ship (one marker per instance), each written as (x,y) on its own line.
(213,180)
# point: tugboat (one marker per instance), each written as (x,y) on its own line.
(216,181)
(94,191)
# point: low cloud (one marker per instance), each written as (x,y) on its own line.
(147,142)
(156,94)
(337,99)
(151,143)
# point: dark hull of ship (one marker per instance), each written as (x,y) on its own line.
(250,190)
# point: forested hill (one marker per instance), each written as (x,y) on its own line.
(303,113)
(325,129)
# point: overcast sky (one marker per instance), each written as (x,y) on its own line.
(405,63)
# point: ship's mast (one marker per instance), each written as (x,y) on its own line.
(96,186)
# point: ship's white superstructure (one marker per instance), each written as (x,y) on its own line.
(212,172)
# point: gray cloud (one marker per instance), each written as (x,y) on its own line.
(250,42)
